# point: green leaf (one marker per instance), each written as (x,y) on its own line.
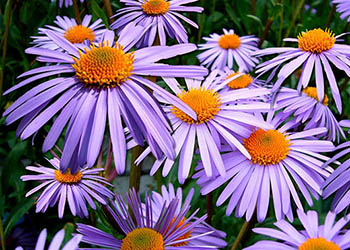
(99,12)
(256,19)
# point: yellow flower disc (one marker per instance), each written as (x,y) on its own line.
(143,239)
(67,177)
(229,41)
(155,7)
(312,92)
(316,40)
(241,82)
(79,33)
(318,244)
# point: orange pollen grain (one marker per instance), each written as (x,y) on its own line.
(267,147)
(143,239)
(104,66)
(312,92)
(316,40)
(79,33)
(180,226)
(155,7)
(318,244)
(67,177)
(229,41)
(241,82)
(204,102)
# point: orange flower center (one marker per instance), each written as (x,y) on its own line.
(155,7)
(143,239)
(229,41)
(205,102)
(187,235)
(312,92)
(316,40)
(318,244)
(79,33)
(104,66)
(241,82)
(267,147)
(67,177)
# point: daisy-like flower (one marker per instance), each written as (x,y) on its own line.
(316,49)
(76,189)
(167,196)
(229,50)
(170,231)
(217,120)
(70,30)
(104,80)
(283,163)
(66,3)
(56,243)
(161,16)
(343,7)
(309,111)
(330,236)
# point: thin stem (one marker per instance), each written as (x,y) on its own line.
(266,30)
(158,176)
(294,18)
(109,11)
(76,11)
(330,16)
(242,233)
(135,171)
(281,24)
(252,6)
(2,236)
(209,208)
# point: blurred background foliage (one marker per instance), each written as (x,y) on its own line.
(271,20)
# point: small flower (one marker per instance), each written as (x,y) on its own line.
(343,7)
(284,164)
(76,189)
(170,231)
(316,48)
(229,50)
(161,16)
(66,3)
(330,236)
(68,28)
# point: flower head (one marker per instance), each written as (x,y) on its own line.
(343,7)
(229,50)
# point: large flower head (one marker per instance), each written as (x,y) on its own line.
(283,163)
(65,187)
(316,49)
(306,109)
(217,120)
(343,7)
(229,50)
(162,17)
(330,236)
(104,80)
(171,230)
(75,33)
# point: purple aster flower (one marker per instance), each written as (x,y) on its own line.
(62,187)
(330,236)
(316,49)
(229,50)
(309,111)
(217,120)
(104,80)
(343,7)
(69,29)
(66,3)
(170,231)
(283,163)
(161,16)
(56,243)
(167,196)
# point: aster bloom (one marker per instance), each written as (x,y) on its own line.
(343,7)
(229,50)
(170,231)
(66,3)
(161,16)
(56,243)
(217,120)
(103,80)
(68,28)
(330,236)
(63,187)
(283,163)
(309,111)
(316,49)
(167,196)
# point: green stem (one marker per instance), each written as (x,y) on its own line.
(266,30)
(76,11)
(244,229)
(2,236)
(252,6)
(158,176)
(294,18)
(209,208)
(109,11)
(330,16)
(135,171)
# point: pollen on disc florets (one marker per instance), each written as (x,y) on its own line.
(143,239)
(79,33)
(229,41)
(316,40)
(155,7)
(267,147)
(240,82)
(318,244)
(181,225)
(312,92)
(104,66)
(67,177)
(205,102)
